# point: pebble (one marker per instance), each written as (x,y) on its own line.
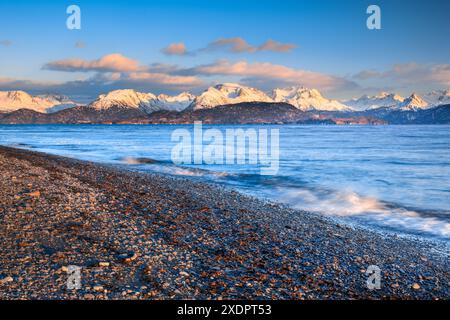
(35,194)
(6,280)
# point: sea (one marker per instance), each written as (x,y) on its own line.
(391,179)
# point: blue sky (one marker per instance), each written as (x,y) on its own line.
(328,46)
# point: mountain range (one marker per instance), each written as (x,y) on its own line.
(228,101)
(15,100)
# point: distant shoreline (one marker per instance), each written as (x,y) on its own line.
(146,236)
(241,113)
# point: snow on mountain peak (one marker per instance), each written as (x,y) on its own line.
(307,99)
(413,102)
(15,100)
(437,97)
(123,98)
(174,103)
(222,94)
(384,99)
(228,93)
(147,102)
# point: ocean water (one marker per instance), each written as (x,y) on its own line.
(388,178)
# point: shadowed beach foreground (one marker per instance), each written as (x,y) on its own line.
(142,236)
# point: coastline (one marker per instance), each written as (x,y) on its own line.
(147,236)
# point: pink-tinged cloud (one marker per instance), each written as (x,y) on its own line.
(20,84)
(441,74)
(366,74)
(271,45)
(164,79)
(118,70)
(114,62)
(410,74)
(238,45)
(260,71)
(178,49)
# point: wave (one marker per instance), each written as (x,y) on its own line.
(132,160)
(20,145)
(345,204)
(371,211)
(164,166)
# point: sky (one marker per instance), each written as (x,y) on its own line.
(171,46)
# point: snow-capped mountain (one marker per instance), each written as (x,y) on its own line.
(307,99)
(228,93)
(126,98)
(147,102)
(396,102)
(413,102)
(382,100)
(437,97)
(222,94)
(174,103)
(15,100)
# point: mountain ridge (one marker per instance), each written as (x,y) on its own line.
(128,105)
(302,98)
(18,99)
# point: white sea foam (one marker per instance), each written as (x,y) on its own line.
(370,209)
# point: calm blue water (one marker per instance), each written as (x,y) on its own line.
(392,178)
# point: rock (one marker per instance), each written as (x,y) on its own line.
(35,194)
(416,286)
(89,296)
(128,257)
(98,288)
(6,280)
(103,264)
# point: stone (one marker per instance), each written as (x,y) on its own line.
(6,280)
(35,194)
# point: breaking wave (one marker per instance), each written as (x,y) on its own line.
(136,161)
(368,210)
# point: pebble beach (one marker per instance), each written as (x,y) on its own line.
(151,236)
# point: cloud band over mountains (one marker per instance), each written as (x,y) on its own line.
(116,67)
(116,71)
(410,73)
(231,45)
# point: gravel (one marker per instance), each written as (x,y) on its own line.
(149,236)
